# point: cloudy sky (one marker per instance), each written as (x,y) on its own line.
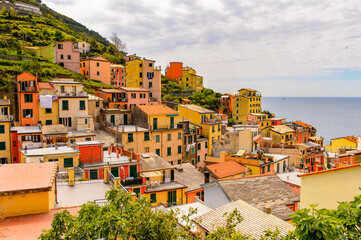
(282,48)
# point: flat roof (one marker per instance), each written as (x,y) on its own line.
(152,162)
(291,177)
(26,129)
(330,170)
(27,176)
(134,89)
(80,133)
(282,129)
(54,129)
(129,128)
(157,110)
(92,97)
(110,90)
(197,108)
(86,143)
(188,175)
(49,151)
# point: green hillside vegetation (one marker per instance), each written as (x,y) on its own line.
(21,31)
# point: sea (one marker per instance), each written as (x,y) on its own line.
(332,117)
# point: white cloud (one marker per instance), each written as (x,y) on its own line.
(252,41)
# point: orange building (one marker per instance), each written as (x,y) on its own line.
(226,102)
(96,68)
(27,99)
(117,75)
(114,98)
(174,70)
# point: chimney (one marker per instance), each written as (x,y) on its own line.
(206,177)
(267,210)
(117,150)
(222,156)
(109,150)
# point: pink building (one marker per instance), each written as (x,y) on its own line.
(67,55)
(117,75)
(202,149)
(96,68)
(136,96)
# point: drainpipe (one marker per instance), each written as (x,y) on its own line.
(56,193)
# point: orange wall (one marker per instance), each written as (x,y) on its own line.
(89,69)
(90,154)
(174,71)
(26,77)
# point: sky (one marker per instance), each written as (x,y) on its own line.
(281,48)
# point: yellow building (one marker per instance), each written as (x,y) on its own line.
(327,188)
(45,52)
(349,142)
(211,127)
(155,132)
(66,157)
(48,116)
(190,80)
(245,102)
(5,124)
(161,187)
(283,134)
(27,188)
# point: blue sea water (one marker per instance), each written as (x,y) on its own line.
(332,117)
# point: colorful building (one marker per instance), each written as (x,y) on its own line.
(141,73)
(24,138)
(67,55)
(27,188)
(117,75)
(281,134)
(226,102)
(245,102)
(113,98)
(83,47)
(162,189)
(48,104)
(227,169)
(186,76)
(27,98)
(96,68)
(5,125)
(349,142)
(277,121)
(348,158)
(95,107)
(137,96)
(329,187)
(312,156)
(211,127)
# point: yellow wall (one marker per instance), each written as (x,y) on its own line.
(336,144)
(245,105)
(132,73)
(29,203)
(281,138)
(5,137)
(53,116)
(326,189)
(56,156)
(46,52)
(162,197)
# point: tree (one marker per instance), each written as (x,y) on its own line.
(58,36)
(118,43)
(270,115)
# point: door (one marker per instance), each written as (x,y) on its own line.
(171,122)
(115,171)
(93,174)
(125,119)
(155,123)
(112,119)
(133,171)
(172,198)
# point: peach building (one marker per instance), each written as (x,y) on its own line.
(97,68)
(136,96)
(117,75)
(67,55)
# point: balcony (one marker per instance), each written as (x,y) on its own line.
(210,121)
(162,127)
(290,139)
(28,89)
(6,118)
(132,181)
(73,94)
(119,100)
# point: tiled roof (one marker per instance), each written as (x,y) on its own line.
(351,138)
(54,129)
(156,109)
(197,108)
(282,129)
(26,176)
(302,124)
(189,176)
(254,222)
(330,170)
(257,189)
(109,90)
(45,85)
(152,162)
(225,169)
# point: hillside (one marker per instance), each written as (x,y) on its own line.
(20,31)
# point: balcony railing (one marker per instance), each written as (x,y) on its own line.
(290,139)
(6,117)
(119,100)
(28,89)
(73,94)
(210,121)
(130,182)
(162,127)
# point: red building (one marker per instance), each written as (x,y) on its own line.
(174,70)
(117,75)
(226,102)
(277,121)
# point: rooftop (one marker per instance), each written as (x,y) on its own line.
(27,176)
(88,143)
(129,128)
(330,170)
(110,90)
(226,169)
(291,177)
(165,186)
(302,124)
(134,89)
(282,129)
(112,158)
(310,144)
(64,81)
(45,85)
(80,133)
(49,151)
(26,129)
(4,102)
(196,108)
(157,110)
(278,208)
(189,176)
(351,138)
(315,138)
(152,162)
(94,98)
(54,129)
(116,66)
(260,188)
(255,222)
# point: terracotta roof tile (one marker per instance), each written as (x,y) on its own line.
(45,85)
(156,109)
(228,168)
(302,124)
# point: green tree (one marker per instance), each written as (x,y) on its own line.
(268,113)
(58,36)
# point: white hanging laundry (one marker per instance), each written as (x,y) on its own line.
(46,101)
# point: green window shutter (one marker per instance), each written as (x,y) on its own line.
(179,135)
(198,158)
(93,174)
(68,162)
(155,123)
(88,139)
(174,197)
(130,137)
(153,197)
(60,121)
(23,138)
(170,198)
(2,146)
(31,98)
(171,122)
(48,110)
(157,151)
(115,171)
(179,149)
(86,121)
(172,175)
(133,171)
(157,138)
(146,136)
(48,122)
(65,104)
(137,191)
(2,128)
(169,137)
(169,151)
(24,113)
(82,104)
(69,122)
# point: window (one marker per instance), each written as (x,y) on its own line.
(179,161)
(133,95)
(146,149)
(198,158)
(93,174)
(146,136)
(155,123)
(2,128)
(52,160)
(140,74)
(27,113)
(86,121)
(150,64)
(192,161)
(97,104)
(150,84)
(68,162)
(69,57)
(2,146)
(157,138)
(133,171)
(83,64)
(179,149)
(268,168)
(61,56)
(62,89)
(169,137)
(206,146)
(28,98)
(172,198)
(82,105)
(65,105)
(153,197)
(140,65)
(179,136)
(48,122)
(48,110)
(219,128)
(150,94)
(213,129)
(157,151)
(169,151)
(114,171)
(97,64)
(60,46)
(150,75)
(130,137)
(199,146)
(98,73)
(65,121)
